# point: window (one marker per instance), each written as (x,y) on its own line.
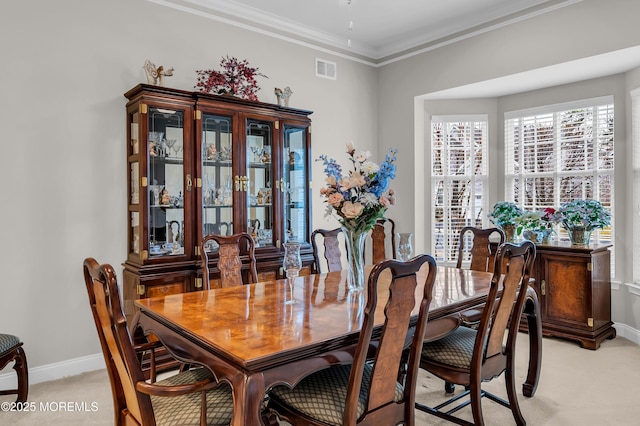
(459,146)
(560,153)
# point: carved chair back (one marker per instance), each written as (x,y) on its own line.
(479,245)
(381,383)
(384,230)
(230,250)
(332,251)
(119,354)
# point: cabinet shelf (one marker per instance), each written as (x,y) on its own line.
(217,163)
(260,165)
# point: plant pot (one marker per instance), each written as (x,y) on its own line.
(579,235)
(509,231)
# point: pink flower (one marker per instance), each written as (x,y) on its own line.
(334,199)
(351,210)
(363,156)
(350,148)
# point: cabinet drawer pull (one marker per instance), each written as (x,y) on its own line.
(543,287)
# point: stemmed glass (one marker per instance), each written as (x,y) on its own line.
(292,264)
(257,153)
(405,249)
(171,143)
(177,148)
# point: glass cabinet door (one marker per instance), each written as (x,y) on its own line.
(258,183)
(166,182)
(217,175)
(294,185)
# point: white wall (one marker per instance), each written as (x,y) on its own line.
(66,66)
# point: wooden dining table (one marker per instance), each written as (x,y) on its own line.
(276,332)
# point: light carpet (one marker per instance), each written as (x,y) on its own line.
(577,387)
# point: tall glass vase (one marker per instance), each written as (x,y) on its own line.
(355,257)
(405,249)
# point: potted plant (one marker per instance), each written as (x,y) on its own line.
(581,217)
(505,214)
(537,226)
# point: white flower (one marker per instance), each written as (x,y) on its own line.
(368,199)
(363,156)
(369,168)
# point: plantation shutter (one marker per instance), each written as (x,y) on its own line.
(560,153)
(459,146)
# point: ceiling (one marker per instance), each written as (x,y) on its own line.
(373,29)
(377,32)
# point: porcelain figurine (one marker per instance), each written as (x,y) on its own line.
(156,75)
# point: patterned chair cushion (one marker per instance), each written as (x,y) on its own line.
(455,349)
(8,341)
(322,395)
(185,410)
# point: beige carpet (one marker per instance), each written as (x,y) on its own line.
(577,387)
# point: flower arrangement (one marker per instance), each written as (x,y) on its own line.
(586,214)
(531,221)
(236,78)
(505,213)
(360,197)
(538,220)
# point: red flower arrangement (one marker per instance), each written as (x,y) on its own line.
(236,78)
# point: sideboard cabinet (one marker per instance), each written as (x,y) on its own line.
(573,284)
(199,164)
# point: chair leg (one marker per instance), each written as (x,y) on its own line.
(23,375)
(475,392)
(510,382)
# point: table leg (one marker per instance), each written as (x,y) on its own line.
(248,395)
(534,323)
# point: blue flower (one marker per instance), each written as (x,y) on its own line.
(360,197)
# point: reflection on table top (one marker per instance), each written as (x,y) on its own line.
(254,324)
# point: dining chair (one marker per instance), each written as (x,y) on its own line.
(383,230)
(11,350)
(478,247)
(469,357)
(332,251)
(193,397)
(230,252)
(370,390)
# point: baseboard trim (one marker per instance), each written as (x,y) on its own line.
(628,333)
(55,371)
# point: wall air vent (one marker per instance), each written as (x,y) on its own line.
(326,69)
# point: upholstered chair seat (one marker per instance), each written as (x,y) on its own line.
(185,410)
(11,350)
(322,395)
(456,349)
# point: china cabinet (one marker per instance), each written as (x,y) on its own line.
(573,284)
(200,164)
